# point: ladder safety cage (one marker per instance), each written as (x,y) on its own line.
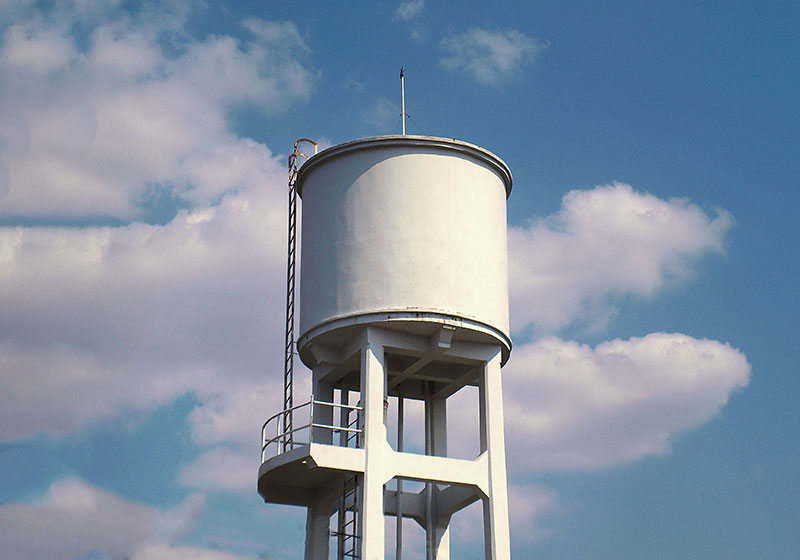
(289,340)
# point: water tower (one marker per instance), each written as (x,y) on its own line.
(403,295)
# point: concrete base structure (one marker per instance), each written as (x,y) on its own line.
(339,467)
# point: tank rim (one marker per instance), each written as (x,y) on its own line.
(389,141)
(406,315)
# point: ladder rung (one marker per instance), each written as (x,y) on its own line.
(344,535)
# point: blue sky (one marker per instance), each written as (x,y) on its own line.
(651,403)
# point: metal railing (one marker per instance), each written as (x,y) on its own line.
(312,431)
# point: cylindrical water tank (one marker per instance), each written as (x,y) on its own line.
(408,232)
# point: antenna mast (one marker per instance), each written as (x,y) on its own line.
(403,98)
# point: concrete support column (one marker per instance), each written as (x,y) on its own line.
(344,415)
(373,383)
(437,527)
(436,436)
(495,505)
(441,537)
(318,515)
(322,414)
(318,518)
(398,551)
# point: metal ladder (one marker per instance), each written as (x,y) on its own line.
(288,361)
(348,539)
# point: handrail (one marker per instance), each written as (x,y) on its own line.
(277,414)
(289,435)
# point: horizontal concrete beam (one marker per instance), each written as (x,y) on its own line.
(428,468)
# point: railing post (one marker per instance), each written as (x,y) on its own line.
(311,421)
(344,415)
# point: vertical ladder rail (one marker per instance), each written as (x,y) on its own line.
(348,540)
(289,341)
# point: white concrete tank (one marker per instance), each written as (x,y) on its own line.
(404,231)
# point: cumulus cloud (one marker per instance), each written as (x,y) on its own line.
(75,520)
(99,322)
(160,551)
(570,406)
(102,321)
(604,243)
(93,130)
(409,9)
(223,468)
(489,57)
(228,423)
(529,508)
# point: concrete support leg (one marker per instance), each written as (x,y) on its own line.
(322,414)
(495,506)
(344,414)
(441,538)
(318,517)
(437,527)
(373,383)
(398,551)
(436,435)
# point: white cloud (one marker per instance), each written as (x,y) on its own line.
(93,131)
(75,519)
(279,35)
(229,423)
(102,321)
(175,523)
(33,48)
(489,57)
(223,468)
(409,9)
(160,551)
(528,508)
(227,417)
(528,505)
(569,406)
(99,322)
(604,243)
(383,114)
